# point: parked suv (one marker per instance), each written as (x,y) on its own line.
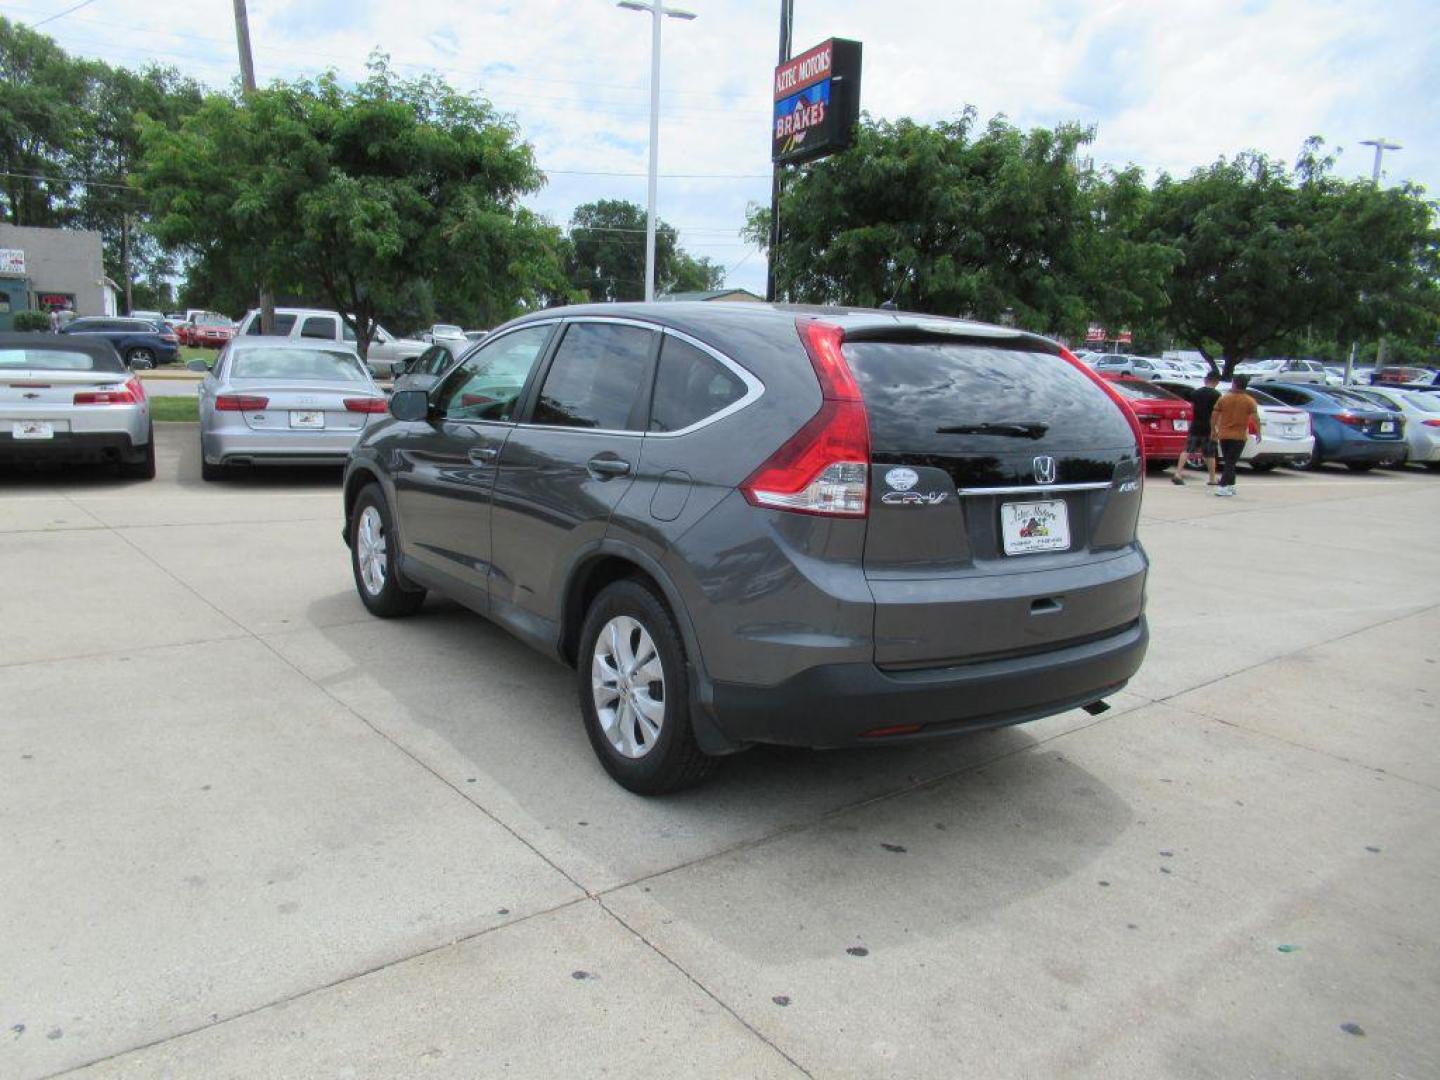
(140,343)
(751,524)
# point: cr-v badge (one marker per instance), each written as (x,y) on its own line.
(1044,468)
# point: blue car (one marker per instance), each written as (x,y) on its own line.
(141,343)
(1349,428)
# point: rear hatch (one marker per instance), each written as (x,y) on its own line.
(1005,490)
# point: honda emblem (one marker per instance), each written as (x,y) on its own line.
(1044,467)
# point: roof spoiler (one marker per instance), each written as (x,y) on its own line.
(945,329)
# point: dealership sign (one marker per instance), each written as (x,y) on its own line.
(817,102)
(12,261)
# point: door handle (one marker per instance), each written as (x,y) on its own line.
(602,468)
(483,455)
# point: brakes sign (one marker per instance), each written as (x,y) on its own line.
(817,102)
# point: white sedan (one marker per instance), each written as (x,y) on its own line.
(1422,420)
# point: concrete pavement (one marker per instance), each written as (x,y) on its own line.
(252,831)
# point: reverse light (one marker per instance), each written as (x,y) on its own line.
(366,405)
(240,403)
(824,468)
(1110,392)
(132,393)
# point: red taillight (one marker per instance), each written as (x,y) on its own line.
(240,403)
(366,404)
(824,468)
(132,393)
(1350,419)
(1110,392)
(1431,423)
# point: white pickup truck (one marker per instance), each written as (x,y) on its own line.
(386,354)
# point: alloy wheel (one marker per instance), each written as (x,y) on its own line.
(370,550)
(627,679)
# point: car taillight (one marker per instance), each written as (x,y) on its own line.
(169,339)
(1431,423)
(1110,392)
(240,403)
(366,404)
(1350,419)
(132,393)
(824,468)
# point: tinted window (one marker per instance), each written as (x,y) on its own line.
(52,359)
(88,326)
(690,386)
(1261,397)
(318,326)
(346,333)
(912,390)
(487,384)
(296,364)
(283,325)
(1287,395)
(596,376)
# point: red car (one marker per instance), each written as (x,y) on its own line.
(209,331)
(1164,417)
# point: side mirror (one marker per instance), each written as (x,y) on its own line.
(198,365)
(410,405)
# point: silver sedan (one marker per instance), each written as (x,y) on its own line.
(284,401)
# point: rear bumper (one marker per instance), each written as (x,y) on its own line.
(1372,451)
(833,705)
(1278,451)
(279,447)
(74,447)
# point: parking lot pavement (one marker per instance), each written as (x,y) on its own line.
(252,831)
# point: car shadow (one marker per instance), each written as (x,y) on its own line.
(501,723)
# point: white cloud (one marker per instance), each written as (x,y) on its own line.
(1170,86)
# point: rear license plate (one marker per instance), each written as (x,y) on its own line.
(1387,427)
(1182,425)
(307,419)
(33,429)
(1035,526)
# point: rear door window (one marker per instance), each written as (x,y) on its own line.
(596,377)
(690,385)
(937,398)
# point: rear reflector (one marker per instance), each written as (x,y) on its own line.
(240,403)
(366,404)
(894,729)
(132,393)
(824,468)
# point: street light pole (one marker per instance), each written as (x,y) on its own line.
(1381,145)
(247,84)
(657,11)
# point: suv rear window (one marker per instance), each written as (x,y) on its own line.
(913,389)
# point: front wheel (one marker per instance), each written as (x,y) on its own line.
(634,692)
(372,558)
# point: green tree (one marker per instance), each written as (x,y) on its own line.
(388,199)
(1002,225)
(41,122)
(1266,254)
(607,255)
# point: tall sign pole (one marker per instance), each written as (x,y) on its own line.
(787,21)
(247,82)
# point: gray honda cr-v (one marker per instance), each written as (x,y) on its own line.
(746,524)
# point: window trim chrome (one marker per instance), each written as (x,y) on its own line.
(754,388)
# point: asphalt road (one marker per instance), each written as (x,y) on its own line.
(251,831)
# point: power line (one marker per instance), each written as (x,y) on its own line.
(61,14)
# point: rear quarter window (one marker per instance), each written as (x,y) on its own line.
(913,389)
(690,385)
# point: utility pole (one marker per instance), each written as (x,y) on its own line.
(787,22)
(1381,145)
(247,82)
(657,12)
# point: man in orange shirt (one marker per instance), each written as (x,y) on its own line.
(1235,416)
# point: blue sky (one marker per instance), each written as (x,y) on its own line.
(1170,86)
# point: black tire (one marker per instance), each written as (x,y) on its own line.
(1360,466)
(144,469)
(1262,466)
(392,598)
(1311,463)
(673,760)
(140,359)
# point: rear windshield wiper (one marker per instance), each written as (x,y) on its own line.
(1012,430)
